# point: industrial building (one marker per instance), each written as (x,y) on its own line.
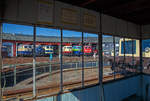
(74,50)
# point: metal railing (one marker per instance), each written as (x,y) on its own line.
(45,67)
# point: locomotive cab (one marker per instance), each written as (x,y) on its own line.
(88,50)
(25,50)
(67,50)
(48,49)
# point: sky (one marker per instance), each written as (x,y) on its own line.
(13,28)
(28,30)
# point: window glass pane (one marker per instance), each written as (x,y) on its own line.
(121,61)
(128,47)
(128,60)
(47,60)
(146,55)
(72,59)
(17,41)
(132,56)
(90,49)
(128,44)
(108,57)
(136,55)
(119,58)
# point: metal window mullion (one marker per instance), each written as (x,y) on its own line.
(132,52)
(61,63)
(141,63)
(1,27)
(15,70)
(82,61)
(100,51)
(141,57)
(124,59)
(114,64)
(34,61)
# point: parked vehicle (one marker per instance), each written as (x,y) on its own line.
(77,50)
(67,50)
(25,50)
(88,50)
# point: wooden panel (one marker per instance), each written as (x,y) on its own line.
(133,30)
(90,21)
(67,16)
(146,31)
(11,12)
(45,12)
(27,11)
(1,5)
(119,27)
(107,24)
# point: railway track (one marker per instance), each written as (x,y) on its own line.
(24,62)
(52,89)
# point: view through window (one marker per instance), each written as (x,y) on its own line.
(121,57)
(146,55)
(47,51)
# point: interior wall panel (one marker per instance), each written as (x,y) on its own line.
(11,11)
(113,26)
(113,91)
(133,30)
(27,11)
(145,36)
(45,12)
(0,16)
(1,9)
(67,16)
(90,20)
(107,24)
(62,15)
(119,27)
(122,89)
(146,31)
(146,86)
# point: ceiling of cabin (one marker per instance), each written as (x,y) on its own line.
(137,11)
